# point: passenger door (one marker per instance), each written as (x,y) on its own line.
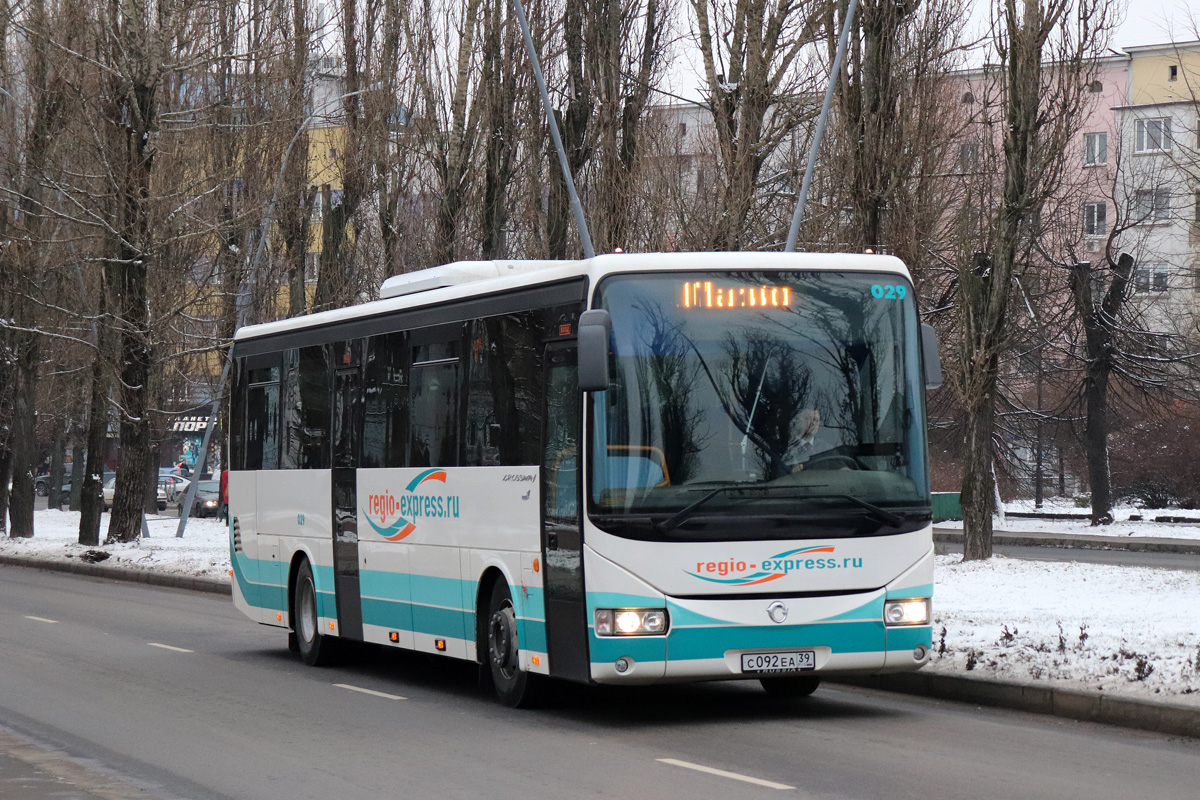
(562,535)
(347,432)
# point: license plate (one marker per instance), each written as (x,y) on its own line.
(792,661)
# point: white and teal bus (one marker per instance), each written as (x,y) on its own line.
(621,470)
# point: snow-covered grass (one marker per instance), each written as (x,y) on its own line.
(1127,631)
(1121,630)
(1121,526)
(204,550)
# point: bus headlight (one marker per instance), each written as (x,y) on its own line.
(914,611)
(631,621)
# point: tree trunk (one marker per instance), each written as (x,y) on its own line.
(91,504)
(5,473)
(57,459)
(77,472)
(978,486)
(1099,328)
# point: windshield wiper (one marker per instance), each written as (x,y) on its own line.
(681,516)
(889,517)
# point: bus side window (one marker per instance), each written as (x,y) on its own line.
(307,408)
(262,419)
(434,403)
(385,397)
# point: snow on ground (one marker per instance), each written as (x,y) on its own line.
(1121,630)
(203,551)
(1122,525)
(1128,631)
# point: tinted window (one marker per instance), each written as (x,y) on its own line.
(434,415)
(262,427)
(504,409)
(306,408)
(385,423)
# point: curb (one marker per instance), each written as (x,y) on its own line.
(1146,715)
(1140,544)
(1124,712)
(189,582)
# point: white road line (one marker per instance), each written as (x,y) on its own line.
(724,774)
(43,619)
(371,692)
(169,647)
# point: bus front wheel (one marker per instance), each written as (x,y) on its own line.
(315,648)
(515,687)
(792,686)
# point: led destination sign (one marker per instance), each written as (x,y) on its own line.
(709,294)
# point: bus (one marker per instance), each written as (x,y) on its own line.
(627,469)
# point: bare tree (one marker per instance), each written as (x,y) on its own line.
(1046,50)
(755,79)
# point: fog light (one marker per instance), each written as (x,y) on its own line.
(630,621)
(913,611)
(919,653)
(622,665)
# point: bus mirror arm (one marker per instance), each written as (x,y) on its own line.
(931,356)
(595,329)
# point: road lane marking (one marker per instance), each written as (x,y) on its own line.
(371,692)
(722,773)
(43,619)
(169,647)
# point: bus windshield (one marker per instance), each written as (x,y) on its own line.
(782,397)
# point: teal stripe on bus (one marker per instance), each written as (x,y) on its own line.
(398,615)
(909,638)
(685,644)
(639,648)
(259,595)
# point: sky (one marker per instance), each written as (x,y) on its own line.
(1150,22)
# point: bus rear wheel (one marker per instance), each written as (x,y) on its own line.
(515,687)
(316,649)
(791,686)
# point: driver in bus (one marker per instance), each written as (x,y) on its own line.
(808,422)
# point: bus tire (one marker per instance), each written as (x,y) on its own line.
(515,687)
(791,686)
(316,649)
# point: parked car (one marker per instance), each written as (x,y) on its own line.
(110,489)
(176,487)
(208,499)
(66,489)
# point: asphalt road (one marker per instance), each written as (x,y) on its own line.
(132,691)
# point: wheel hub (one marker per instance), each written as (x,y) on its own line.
(502,640)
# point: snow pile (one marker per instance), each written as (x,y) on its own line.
(1122,524)
(204,550)
(1129,631)
(1124,630)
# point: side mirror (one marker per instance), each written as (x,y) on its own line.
(931,356)
(595,328)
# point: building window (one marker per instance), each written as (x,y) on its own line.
(968,156)
(1150,278)
(1151,206)
(1196,207)
(1095,219)
(1153,134)
(1173,72)
(1095,149)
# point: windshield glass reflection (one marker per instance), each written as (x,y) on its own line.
(795,387)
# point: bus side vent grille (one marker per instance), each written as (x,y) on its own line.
(237,536)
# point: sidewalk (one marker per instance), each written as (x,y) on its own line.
(1172,718)
(1147,544)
